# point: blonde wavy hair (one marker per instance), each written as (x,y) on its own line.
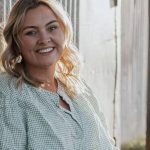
(67,68)
(1,45)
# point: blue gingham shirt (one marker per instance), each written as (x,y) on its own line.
(32,119)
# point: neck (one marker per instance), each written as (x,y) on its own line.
(45,77)
(50,86)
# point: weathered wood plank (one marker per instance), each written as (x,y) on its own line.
(134,68)
(97,43)
(148,97)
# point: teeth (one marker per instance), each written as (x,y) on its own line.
(45,50)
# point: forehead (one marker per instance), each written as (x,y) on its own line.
(39,15)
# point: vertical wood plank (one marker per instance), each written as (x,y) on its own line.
(72,7)
(148,97)
(4,10)
(134,69)
(98,45)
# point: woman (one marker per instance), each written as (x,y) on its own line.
(44,105)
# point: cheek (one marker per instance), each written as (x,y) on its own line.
(27,44)
(27,47)
(59,37)
(62,39)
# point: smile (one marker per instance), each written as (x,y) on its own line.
(45,50)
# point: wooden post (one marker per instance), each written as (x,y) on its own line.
(148,96)
(134,64)
(113,3)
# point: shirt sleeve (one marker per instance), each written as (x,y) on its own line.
(95,104)
(12,128)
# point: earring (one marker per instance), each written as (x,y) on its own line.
(19,59)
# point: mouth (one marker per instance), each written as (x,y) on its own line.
(46,50)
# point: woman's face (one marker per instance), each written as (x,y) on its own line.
(42,38)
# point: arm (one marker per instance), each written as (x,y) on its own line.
(95,105)
(12,128)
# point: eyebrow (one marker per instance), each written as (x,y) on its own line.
(53,21)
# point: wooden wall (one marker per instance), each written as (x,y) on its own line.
(134,54)
(98,43)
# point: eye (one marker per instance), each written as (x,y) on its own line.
(31,33)
(52,28)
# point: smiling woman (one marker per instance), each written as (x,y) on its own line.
(41,42)
(44,104)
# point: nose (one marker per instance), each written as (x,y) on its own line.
(44,38)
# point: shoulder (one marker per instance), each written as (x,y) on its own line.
(90,95)
(7,83)
(10,96)
(95,102)
(4,76)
